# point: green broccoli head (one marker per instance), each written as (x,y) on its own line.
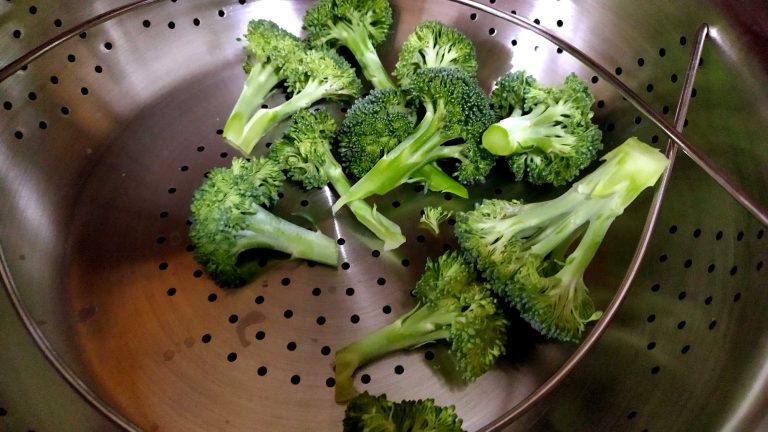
(360,25)
(556,305)
(324,73)
(456,109)
(269,43)
(546,133)
(434,44)
(509,94)
(378,414)
(453,306)
(221,208)
(374,125)
(535,255)
(333,22)
(304,149)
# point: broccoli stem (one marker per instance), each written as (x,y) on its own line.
(386,230)
(571,288)
(259,84)
(358,42)
(538,129)
(268,231)
(438,181)
(267,118)
(423,324)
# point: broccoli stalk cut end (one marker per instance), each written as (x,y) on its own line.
(229,218)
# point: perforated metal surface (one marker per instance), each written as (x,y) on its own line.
(99,165)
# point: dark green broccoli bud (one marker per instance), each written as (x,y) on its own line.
(434,44)
(316,75)
(456,112)
(229,218)
(367,413)
(269,49)
(453,306)
(305,152)
(546,133)
(375,125)
(360,25)
(526,250)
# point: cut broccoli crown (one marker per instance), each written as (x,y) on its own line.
(453,306)
(374,125)
(360,25)
(546,133)
(271,51)
(304,148)
(368,413)
(456,111)
(332,22)
(526,250)
(305,152)
(229,218)
(434,44)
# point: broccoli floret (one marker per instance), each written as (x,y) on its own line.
(433,217)
(452,306)
(305,152)
(368,413)
(434,44)
(375,125)
(269,50)
(526,250)
(360,25)
(456,112)
(546,132)
(229,218)
(312,76)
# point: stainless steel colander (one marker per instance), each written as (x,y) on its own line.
(111,115)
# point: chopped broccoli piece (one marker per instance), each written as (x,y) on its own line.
(368,413)
(433,217)
(312,76)
(546,132)
(434,44)
(305,152)
(374,126)
(456,112)
(526,250)
(229,218)
(360,25)
(452,306)
(269,51)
